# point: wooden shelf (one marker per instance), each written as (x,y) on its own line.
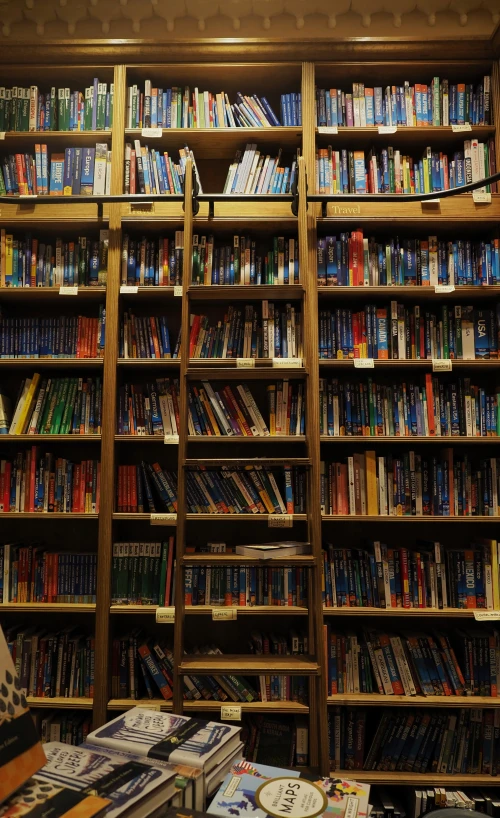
(44,515)
(49,293)
(301,560)
(405,135)
(250,665)
(255,610)
(411,613)
(233,292)
(443,441)
(125,515)
(403,363)
(409,779)
(52,363)
(141,439)
(237,439)
(48,607)
(220,369)
(202,705)
(357,518)
(149,292)
(377,700)
(219,143)
(456,211)
(243,517)
(57,136)
(464,293)
(166,363)
(43,438)
(23,213)
(59,702)
(209,462)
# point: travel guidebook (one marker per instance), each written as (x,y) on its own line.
(260,791)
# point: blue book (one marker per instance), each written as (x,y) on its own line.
(56,174)
(481,333)
(87,176)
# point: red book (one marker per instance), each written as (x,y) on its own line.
(83,481)
(132,172)
(430,404)
(133,488)
(403,561)
(195,328)
(21,183)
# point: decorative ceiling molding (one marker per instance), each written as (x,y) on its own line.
(23,20)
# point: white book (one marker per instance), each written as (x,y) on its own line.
(101,153)
(252,171)
(403,667)
(20,404)
(219,413)
(383,671)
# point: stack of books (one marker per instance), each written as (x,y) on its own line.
(353,260)
(390,171)
(32,482)
(146,487)
(59,109)
(153,172)
(400,332)
(246,490)
(152,409)
(245,586)
(61,337)
(182,108)
(430,408)
(32,573)
(35,262)
(142,337)
(77,171)
(438,102)
(57,406)
(240,263)
(252,172)
(143,573)
(242,334)
(424,576)
(410,484)
(153,262)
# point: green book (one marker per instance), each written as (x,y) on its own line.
(44,413)
(69,407)
(59,407)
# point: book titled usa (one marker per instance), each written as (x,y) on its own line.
(271,792)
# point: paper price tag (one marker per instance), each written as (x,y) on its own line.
(171,439)
(245,363)
(151,133)
(444,288)
(230,712)
(163,519)
(165,615)
(69,290)
(431,201)
(28,196)
(441,365)
(387,128)
(129,288)
(481,196)
(466,126)
(151,705)
(287,363)
(364,363)
(178,291)
(280,521)
(328,129)
(224,613)
(2,135)
(484,616)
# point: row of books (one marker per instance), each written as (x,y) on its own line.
(270,740)
(143,337)
(353,260)
(448,485)
(245,586)
(32,481)
(427,800)
(242,333)
(426,575)
(146,487)
(429,408)
(152,409)
(31,262)
(153,262)
(76,172)
(388,170)
(67,728)
(143,573)
(61,337)
(57,406)
(53,664)
(60,109)
(252,172)
(399,332)
(149,171)
(412,664)
(31,573)
(438,102)
(248,490)
(229,411)
(281,688)
(240,263)
(182,108)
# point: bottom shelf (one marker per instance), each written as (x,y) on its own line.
(201,705)
(420,779)
(78,703)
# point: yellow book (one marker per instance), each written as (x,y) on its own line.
(29,403)
(371,484)
(208,409)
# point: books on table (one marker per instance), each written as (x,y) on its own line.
(39,797)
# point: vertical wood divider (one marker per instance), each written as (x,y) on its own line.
(183,433)
(107,492)
(495,105)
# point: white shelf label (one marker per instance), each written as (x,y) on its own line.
(280,521)
(66,290)
(129,288)
(178,291)
(151,705)
(230,712)
(483,616)
(387,128)
(466,126)
(328,129)
(171,440)
(245,363)
(151,133)
(165,615)
(444,288)
(441,364)
(481,196)
(28,196)
(287,363)
(163,519)
(364,363)
(224,613)
(2,135)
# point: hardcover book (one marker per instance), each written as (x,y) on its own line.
(38,798)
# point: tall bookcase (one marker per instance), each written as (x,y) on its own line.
(270,70)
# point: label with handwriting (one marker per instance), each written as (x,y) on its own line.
(245,363)
(481,196)
(163,519)
(230,712)
(444,288)
(441,364)
(165,615)
(465,126)
(151,133)
(2,135)
(333,129)
(66,290)
(178,291)
(287,363)
(151,705)
(483,616)
(224,613)
(363,363)
(171,439)
(280,521)
(129,288)
(387,128)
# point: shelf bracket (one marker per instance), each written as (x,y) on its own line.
(196,190)
(295,194)
(324,209)
(99,210)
